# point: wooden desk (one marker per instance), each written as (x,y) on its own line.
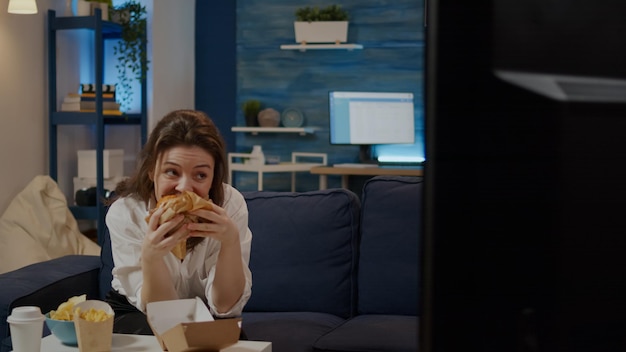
(374,170)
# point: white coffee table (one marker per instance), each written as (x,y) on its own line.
(136,343)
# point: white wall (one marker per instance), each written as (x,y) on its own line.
(23,89)
(173,57)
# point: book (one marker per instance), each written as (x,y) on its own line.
(92,96)
(72,98)
(91,88)
(70,106)
(106,105)
(104,112)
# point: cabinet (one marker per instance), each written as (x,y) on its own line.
(101,30)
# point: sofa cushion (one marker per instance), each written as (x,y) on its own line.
(391,223)
(303,253)
(372,333)
(288,331)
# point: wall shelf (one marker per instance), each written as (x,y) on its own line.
(305,47)
(256,130)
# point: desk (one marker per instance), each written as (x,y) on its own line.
(293,167)
(122,342)
(374,170)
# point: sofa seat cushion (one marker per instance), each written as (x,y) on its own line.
(372,333)
(288,331)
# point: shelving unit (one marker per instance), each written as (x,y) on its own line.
(102,30)
(305,47)
(256,130)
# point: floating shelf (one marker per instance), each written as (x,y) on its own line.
(256,130)
(305,47)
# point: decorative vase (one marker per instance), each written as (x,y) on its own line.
(321,32)
(257,157)
(269,118)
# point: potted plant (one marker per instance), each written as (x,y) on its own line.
(130,50)
(326,25)
(251,110)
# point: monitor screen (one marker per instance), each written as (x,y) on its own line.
(367,118)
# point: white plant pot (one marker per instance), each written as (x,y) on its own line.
(321,32)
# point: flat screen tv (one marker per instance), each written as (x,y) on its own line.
(371,118)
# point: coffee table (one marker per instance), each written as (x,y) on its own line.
(137,343)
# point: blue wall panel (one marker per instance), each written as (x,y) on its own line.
(391,60)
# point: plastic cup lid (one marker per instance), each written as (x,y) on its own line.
(25,314)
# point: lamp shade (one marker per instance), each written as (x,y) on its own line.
(23,7)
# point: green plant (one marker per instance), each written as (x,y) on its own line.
(251,110)
(328,13)
(251,107)
(130,50)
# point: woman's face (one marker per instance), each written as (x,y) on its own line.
(183,169)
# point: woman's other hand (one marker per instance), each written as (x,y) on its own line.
(161,239)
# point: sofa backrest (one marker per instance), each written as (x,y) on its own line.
(389,256)
(304,251)
(106,265)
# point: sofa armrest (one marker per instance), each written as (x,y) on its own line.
(47,284)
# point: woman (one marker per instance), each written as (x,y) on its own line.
(185,152)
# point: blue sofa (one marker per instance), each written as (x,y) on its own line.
(331,271)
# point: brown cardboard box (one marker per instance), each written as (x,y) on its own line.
(187,325)
(94,336)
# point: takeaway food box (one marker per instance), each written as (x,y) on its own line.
(186,325)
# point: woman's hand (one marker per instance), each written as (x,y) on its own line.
(160,239)
(218,225)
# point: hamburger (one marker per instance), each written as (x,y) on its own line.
(183,203)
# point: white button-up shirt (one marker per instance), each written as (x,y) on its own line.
(193,277)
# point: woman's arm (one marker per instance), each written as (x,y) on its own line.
(158,285)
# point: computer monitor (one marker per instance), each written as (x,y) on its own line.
(371,118)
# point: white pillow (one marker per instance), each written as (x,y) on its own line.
(38,226)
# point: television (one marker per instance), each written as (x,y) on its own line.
(371,118)
(525,193)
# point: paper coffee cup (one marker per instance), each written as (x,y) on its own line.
(26,324)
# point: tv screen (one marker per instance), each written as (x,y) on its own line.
(368,118)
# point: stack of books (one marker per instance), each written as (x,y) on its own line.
(71,102)
(85,101)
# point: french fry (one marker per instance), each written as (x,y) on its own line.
(65,311)
(93,315)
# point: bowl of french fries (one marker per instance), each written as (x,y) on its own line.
(66,321)
(61,321)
